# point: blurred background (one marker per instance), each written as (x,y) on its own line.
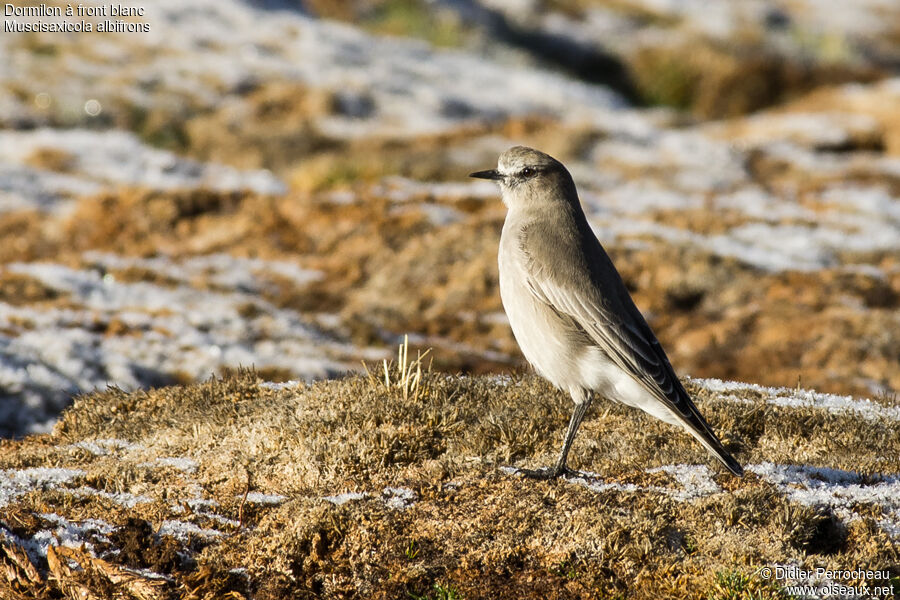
(283,185)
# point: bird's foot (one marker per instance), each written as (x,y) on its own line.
(547,473)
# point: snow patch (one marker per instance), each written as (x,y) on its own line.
(224,270)
(55,353)
(261,498)
(204,507)
(595,483)
(696,481)
(103,447)
(281,385)
(182,463)
(18,483)
(346,497)
(64,533)
(100,159)
(379,86)
(798,398)
(73,535)
(398,498)
(121,498)
(183,531)
(395,498)
(836,489)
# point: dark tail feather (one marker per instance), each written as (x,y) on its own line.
(714,446)
(729,461)
(700,429)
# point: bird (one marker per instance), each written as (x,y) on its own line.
(570,311)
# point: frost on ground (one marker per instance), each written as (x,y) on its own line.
(261,498)
(797,398)
(434,491)
(16,483)
(375,85)
(393,498)
(837,490)
(98,160)
(167,332)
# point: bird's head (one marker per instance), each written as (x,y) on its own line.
(528,177)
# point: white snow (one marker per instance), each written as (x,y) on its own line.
(17,483)
(65,533)
(841,491)
(838,490)
(629,177)
(183,531)
(346,497)
(262,498)
(863,223)
(204,507)
(637,197)
(595,483)
(23,187)
(395,498)
(205,330)
(812,130)
(71,535)
(224,270)
(281,385)
(398,498)
(102,159)
(201,505)
(700,162)
(695,480)
(800,398)
(814,18)
(759,204)
(378,85)
(124,499)
(58,352)
(182,463)
(103,447)
(875,202)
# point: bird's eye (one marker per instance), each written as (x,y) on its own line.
(527,172)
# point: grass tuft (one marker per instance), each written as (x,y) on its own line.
(735,585)
(406,376)
(441,592)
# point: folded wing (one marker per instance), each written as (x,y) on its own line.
(606,313)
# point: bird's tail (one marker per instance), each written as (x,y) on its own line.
(712,443)
(698,427)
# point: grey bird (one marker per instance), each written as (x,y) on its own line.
(569,310)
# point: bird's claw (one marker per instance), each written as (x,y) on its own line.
(548,473)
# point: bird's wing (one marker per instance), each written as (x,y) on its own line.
(630,345)
(595,298)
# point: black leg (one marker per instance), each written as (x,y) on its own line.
(582,403)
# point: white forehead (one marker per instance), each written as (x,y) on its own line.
(518,157)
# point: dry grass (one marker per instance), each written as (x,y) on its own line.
(472,530)
(407,375)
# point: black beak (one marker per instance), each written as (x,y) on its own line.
(492,174)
